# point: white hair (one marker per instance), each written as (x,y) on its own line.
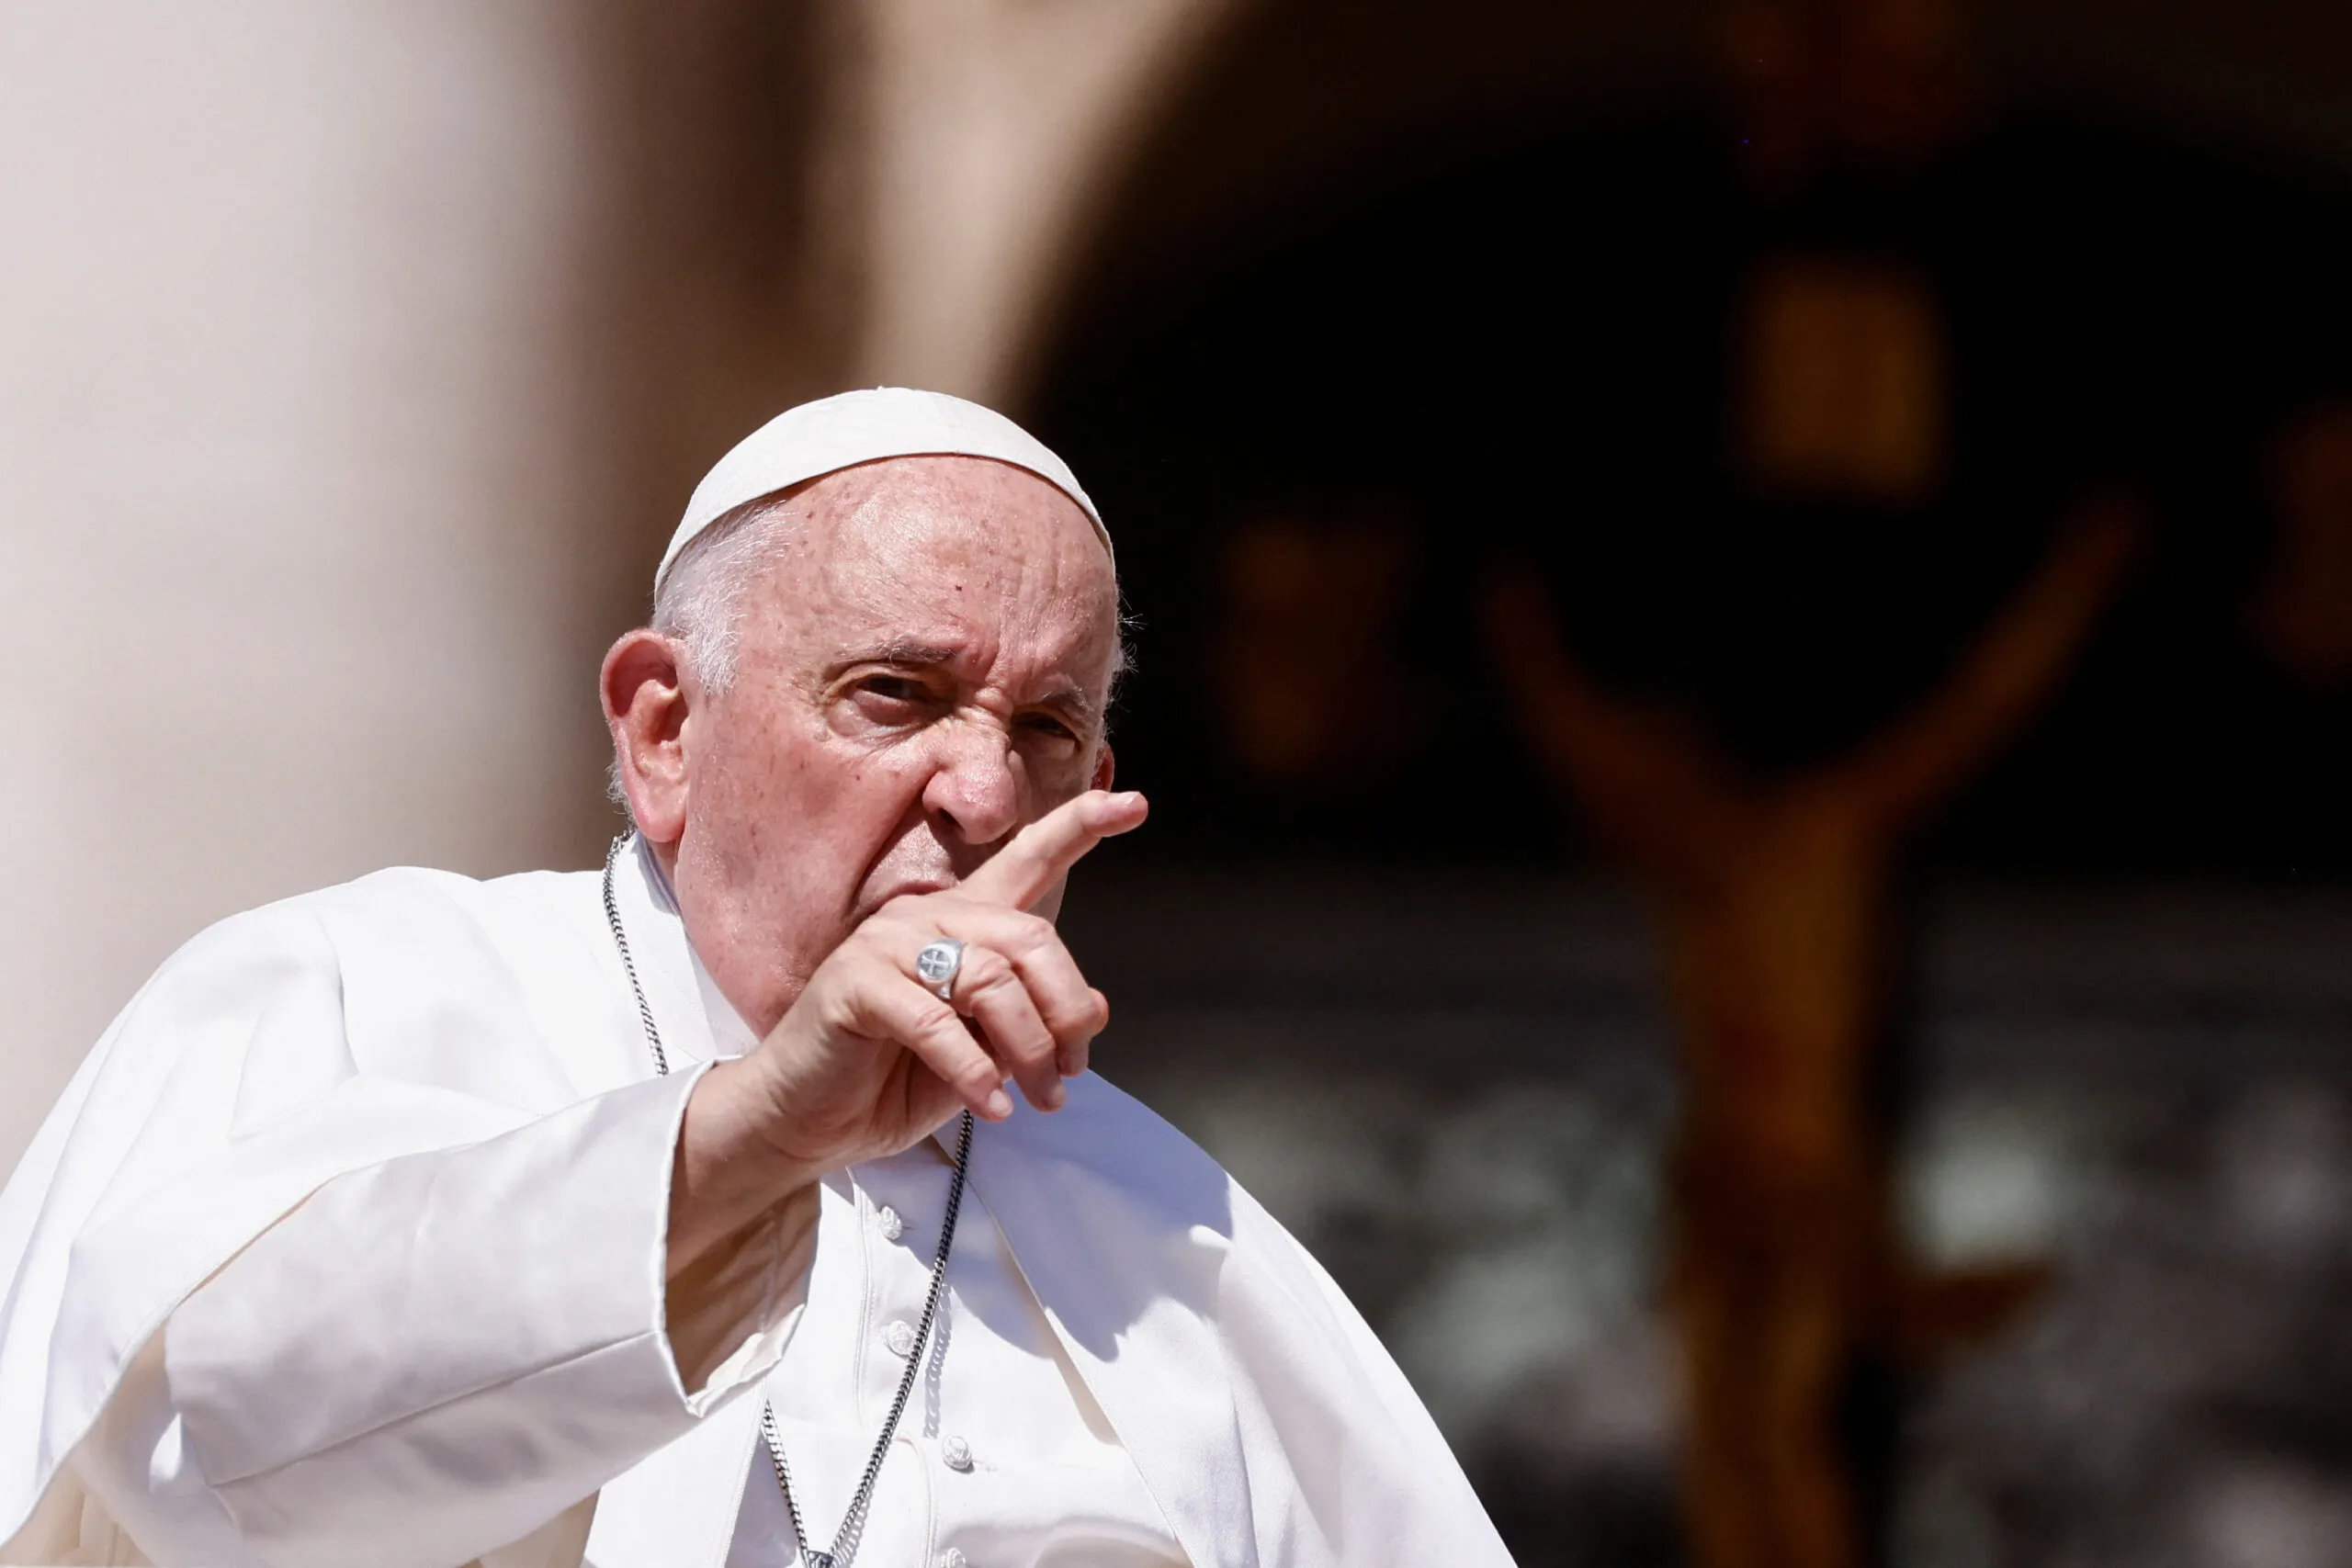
(702,597)
(700,600)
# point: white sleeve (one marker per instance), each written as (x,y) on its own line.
(437,1354)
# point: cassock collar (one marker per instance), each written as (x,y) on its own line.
(729,1033)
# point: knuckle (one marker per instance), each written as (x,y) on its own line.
(1080,1001)
(988,970)
(1076,1018)
(900,908)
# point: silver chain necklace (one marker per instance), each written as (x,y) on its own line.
(854,1518)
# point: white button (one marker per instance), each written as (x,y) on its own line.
(951,1558)
(891,1226)
(958,1453)
(900,1337)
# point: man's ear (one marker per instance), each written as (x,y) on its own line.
(1105,769)
(645,705)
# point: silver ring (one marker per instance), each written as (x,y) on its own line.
(936,966)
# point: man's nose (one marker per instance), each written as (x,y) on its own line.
(975,788)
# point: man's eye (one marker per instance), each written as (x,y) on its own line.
(1048,725)
(895,688)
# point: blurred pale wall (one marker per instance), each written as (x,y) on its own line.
(287,480)
(353,357)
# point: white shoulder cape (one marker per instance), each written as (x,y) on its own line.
(415,1011)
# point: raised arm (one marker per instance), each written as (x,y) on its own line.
(1652,789)
(2003,678)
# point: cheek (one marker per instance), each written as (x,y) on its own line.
(805,800)
(747,782)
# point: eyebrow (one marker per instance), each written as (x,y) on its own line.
(1071,700)
(914,651)
(902,650)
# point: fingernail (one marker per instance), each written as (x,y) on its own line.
(1053,1096)
(1000,1105)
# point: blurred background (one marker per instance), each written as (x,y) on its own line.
(1745,613)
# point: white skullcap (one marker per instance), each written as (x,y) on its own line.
(841,432)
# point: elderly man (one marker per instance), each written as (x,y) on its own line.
(679,1215)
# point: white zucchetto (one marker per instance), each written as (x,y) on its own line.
(850,428)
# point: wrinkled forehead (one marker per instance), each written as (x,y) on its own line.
(913,506)
(929,543)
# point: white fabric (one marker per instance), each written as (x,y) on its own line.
(383,1165)
(840,432)
(1045,1481)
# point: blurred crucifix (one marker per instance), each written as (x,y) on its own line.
(1774,897)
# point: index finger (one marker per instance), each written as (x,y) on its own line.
(1042,854)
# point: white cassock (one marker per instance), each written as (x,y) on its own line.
(347,1246)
